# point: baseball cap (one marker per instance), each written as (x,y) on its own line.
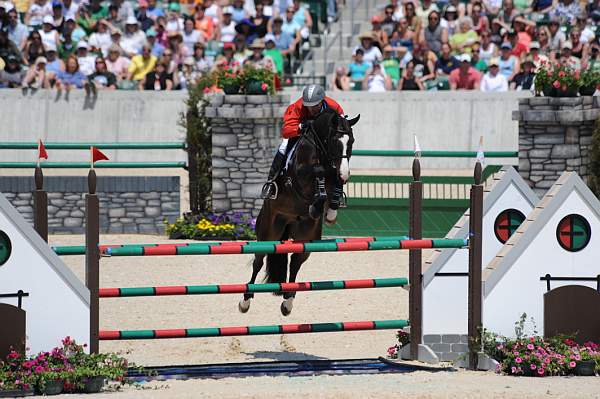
(48,20)
(70,17)
(174,7)
(534,45)
(376,19)
(116,31)
(228,10)
(151,33)
(41,60)
(188,61)
(82,44)
(269,37)
(506,46)
(12,58)
(494,61)
(229,46)
(56,4)
(568,45)
(451,9)
(464,58)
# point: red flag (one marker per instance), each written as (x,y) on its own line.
(42,150)
(97,155)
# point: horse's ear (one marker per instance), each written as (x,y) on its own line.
(354,121)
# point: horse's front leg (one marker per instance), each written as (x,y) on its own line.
(257,264)
(288,297)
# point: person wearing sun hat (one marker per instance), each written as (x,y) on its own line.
(371,53)
(524,79)
(133,39)
(494,80)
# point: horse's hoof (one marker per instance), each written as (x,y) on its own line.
(330,222)
(284,310)
(313,212)
(244,306)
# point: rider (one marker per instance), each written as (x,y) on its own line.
(296,119)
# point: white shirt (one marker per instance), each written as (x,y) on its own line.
(87,64)
(586,35)
(38,12)
(213,12)
(228,32)
(496,83)
(376,83)
(190,39)
(371,55)
(49,38)
(101,41)
(133,43)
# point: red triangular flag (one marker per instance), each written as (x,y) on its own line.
(42,150)
(97,155)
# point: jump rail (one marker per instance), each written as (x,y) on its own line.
(97,165)
(252,288)
(253,330)
(31,145)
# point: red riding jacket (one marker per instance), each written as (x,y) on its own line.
(297,113)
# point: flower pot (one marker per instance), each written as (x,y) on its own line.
(93,384)
(255,87)
(16,393)
(570,92)
(587,90)
(586,368)
(549,91)
(52,387)
(231,89)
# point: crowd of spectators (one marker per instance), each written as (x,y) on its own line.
(487,45)
(118,44)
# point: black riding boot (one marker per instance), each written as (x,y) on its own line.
(269,190)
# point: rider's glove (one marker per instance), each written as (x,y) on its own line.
(304,126)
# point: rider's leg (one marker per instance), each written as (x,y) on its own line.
(269,190)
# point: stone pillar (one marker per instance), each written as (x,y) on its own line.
(245,135)
(554,135)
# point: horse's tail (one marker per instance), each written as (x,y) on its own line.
(276,268)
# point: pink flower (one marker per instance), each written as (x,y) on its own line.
(547,360)
(519,360)
(264,86)
(549,74)
(206,90)
(572,364)
(513,370)
(561,74)
(39,369)
(530,347)
(556,84)
(540,372)
(532,366)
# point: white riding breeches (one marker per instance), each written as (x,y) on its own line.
(283,146)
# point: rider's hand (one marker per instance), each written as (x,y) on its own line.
(306,125)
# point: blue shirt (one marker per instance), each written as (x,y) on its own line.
(290,27)
(155,12)
(18,33)
(284,41)
(75,79)
(158,49)
(358,71)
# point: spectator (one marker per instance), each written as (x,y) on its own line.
(487,49)
(537,58)
(202,63)
(241,51)
(409,81)
(450,23)
(227,60)
(580,50)
(114,19)
(190,36)
(566,11)
(102,78)
(507,14)
(257,56)
(370,52)
(134,38)
(492,7)
(480,22)
(594,63)
(189,74)
(260,21)
(85,61)
(283,40)
(157,48)
(174,19)
(141,64)
(403,39)
(477,62)
(424,64)
(57,15)
(154,11)
(378,32)
(586,33)
(238,13)
(67,46)
(557,37)
(247,29)
(290,25)
(212,10)
(54,64)
(171,60)
(541,8)
(47,33)
(145,21)
(376,81)
(398,10)
(508,63)
(302,18)
(91,14)
(71,26)
(463,40)
(493,80)
(204,24)
(465,77)
(524,79)
(340,81)
(359,67)
(36,12)
(391,64)
(518,49)
(425,9)
(226,31)
(71,77)
(447,62)
(388,23)
(158,79)
(434,34)
(115,39)
(100,40)
(13,74)
(36,77)
(543,42)
(8,48)
(17,32)
(274,53)
(34,48)
(567,58)
(116,64)
(414,22)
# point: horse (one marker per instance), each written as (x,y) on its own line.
(321,154)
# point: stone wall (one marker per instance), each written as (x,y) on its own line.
(245,135)
(127,204)
(554,135)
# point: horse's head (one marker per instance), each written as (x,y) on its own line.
(335,132)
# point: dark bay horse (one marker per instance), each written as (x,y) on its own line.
(324,151)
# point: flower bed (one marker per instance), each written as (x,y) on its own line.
(213,226)
(66,368)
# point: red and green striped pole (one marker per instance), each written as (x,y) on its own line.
(253,330)
(252,288)
(286,248)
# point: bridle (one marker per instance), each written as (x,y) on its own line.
(323,146)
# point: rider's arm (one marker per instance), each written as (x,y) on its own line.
(291,122)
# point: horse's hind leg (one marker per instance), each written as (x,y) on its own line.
(288,297)
(244,304)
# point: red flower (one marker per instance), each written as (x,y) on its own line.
(561,74)
(549,74)
(577,74)
(264,86)
(556,84)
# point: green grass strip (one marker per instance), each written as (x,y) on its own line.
(263,330)
(390,324)
(203,332)
(137,334)
(449,243)
(202,289)
(139,291)
(391,282)
(380,245)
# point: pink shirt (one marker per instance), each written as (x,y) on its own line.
(465,81)
(118,67)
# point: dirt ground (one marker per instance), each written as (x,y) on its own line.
(324,306)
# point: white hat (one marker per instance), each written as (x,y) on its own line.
(269,37)
(228,10)
(7,5)
(48,20)
(50,47)
(131,20)
(82,44)
(464,58)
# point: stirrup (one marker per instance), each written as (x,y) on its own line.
(266,189)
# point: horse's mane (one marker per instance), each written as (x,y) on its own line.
(323,121)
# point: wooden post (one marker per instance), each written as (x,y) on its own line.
(40,205)
(92,257)
(415,312)
(192,151)
(475,294)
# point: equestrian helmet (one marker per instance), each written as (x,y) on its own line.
(312,95)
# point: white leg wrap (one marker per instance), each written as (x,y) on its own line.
(289,304)
(331,215)
(245,304)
